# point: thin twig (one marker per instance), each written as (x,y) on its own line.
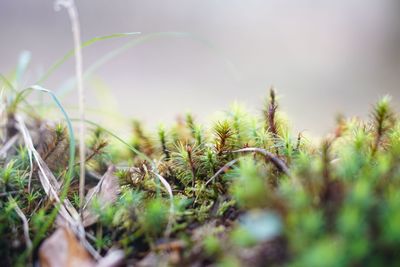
(172,207)
(9,144)
(268,156)
(223,169)
(25,223)
(96,190)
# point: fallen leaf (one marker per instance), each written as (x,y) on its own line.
(62,249)
(106,192)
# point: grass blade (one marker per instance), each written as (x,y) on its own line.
(144,38)
(70,53)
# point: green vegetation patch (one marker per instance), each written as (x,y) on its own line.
(245,191)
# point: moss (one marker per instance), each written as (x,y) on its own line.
(332,204)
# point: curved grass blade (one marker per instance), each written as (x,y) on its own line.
(144,38)
(118,119)
(68,55)
(42,231)
(7,83)
(18,73)
(18,98)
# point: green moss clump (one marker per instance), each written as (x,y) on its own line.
(245,192)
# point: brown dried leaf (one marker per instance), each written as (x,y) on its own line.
(106,192)
(62,249)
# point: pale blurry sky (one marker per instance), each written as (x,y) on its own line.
(322,56)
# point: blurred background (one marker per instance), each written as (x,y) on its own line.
(323,57)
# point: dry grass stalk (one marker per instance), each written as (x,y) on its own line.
(268,156)
(172,207)
(76,31)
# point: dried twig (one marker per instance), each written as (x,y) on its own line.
(52,188)
(221,170)
(8,145)
(47,179)
(172,207)
(24,222)
(269,156)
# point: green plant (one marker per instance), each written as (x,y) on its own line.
(247,182)
(245,191)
